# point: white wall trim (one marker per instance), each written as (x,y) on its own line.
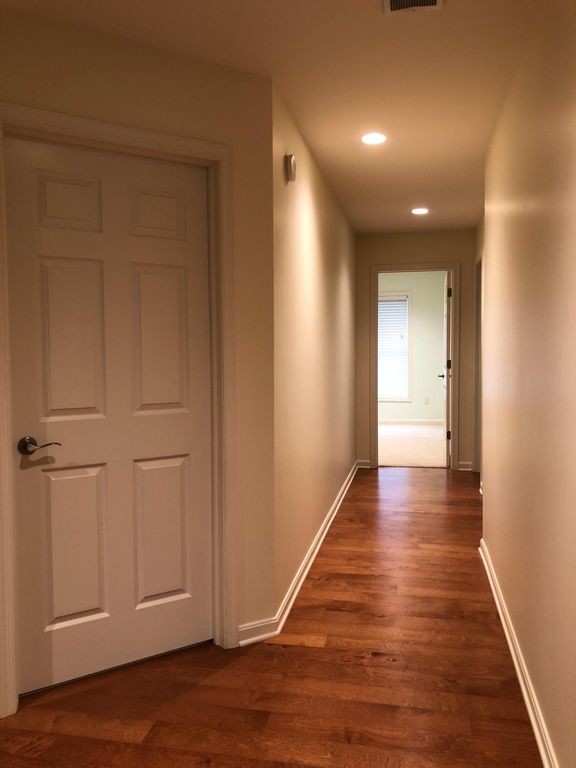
(254,631)
(363,464)
(29,122)
(543,739)
(465,466)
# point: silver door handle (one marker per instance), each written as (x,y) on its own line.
(28,445)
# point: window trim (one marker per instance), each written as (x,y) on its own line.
(383,295)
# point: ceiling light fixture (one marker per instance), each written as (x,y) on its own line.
(374,138)
(420,211)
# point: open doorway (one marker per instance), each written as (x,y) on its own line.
(414,368)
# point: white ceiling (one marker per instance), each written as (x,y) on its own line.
(433,81)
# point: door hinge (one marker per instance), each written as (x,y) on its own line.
(449,435)
(448,365)
(449,293)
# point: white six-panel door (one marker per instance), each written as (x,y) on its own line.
(109,315)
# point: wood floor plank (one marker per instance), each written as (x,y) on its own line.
(393,657)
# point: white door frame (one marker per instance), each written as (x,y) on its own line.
(27,122)
(454,271)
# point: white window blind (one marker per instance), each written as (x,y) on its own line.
(393,357)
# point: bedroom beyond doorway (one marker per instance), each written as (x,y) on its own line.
(413,368)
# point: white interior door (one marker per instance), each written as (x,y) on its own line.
(110,357)
(448,364)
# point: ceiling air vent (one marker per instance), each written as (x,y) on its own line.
(397,6)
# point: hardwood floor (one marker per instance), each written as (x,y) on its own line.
(393,656)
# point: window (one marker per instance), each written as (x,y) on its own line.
(393,347)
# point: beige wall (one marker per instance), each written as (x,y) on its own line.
(66,69)
(314,350)
(442,247)
(529,368)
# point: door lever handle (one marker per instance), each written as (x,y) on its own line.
(441,375)
(29,445)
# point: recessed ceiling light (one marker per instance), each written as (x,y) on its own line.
(420,211)
(374,138)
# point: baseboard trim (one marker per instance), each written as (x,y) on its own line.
(255,631)
(543,739)
(363,464)
(465,466)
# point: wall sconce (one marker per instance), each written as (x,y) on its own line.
(290,168)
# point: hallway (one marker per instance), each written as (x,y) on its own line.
(392,656)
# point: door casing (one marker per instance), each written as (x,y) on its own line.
(454,274)
(28,122)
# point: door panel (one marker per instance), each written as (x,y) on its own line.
(76,504)
(111,357)
(161,502)
(160,340)
(448,291)
(73,336)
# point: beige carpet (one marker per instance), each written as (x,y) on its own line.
(411,445)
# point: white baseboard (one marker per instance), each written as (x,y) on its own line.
(363,464)
(543,739)
(254,631)
(465,466)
